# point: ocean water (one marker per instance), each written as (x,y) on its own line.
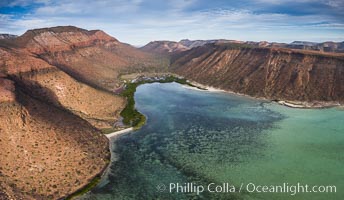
(230,141)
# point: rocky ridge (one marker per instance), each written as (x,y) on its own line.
(162,47)
(273,73)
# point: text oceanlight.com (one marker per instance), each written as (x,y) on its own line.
(287,188)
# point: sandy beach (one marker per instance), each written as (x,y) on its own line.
(117,133)
(291,104)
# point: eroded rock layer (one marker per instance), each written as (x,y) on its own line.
(265,72)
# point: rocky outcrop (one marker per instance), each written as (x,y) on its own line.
(265,72)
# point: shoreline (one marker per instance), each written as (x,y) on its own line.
(309,105)
(131,116)
(287,103)
(118,133)
(94,181)
(200,87)
(97,178)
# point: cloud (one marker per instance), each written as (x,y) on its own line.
(336,4)
(139,21)
(180,4)
(284,1)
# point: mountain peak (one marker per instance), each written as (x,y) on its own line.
(57,29)
(306,43)
(61,38)
(164,47)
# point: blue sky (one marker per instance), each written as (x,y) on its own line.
(139,21)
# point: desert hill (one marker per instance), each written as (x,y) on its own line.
(92,57)
(55,95)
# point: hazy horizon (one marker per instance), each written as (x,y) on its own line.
(138,22)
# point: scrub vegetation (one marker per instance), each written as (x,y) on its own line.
(131,116)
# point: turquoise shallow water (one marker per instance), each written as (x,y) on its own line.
(205,137)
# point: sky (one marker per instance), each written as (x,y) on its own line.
(138,22)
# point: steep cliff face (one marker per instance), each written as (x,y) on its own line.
(265,72)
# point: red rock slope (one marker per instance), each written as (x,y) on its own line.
(273,73)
